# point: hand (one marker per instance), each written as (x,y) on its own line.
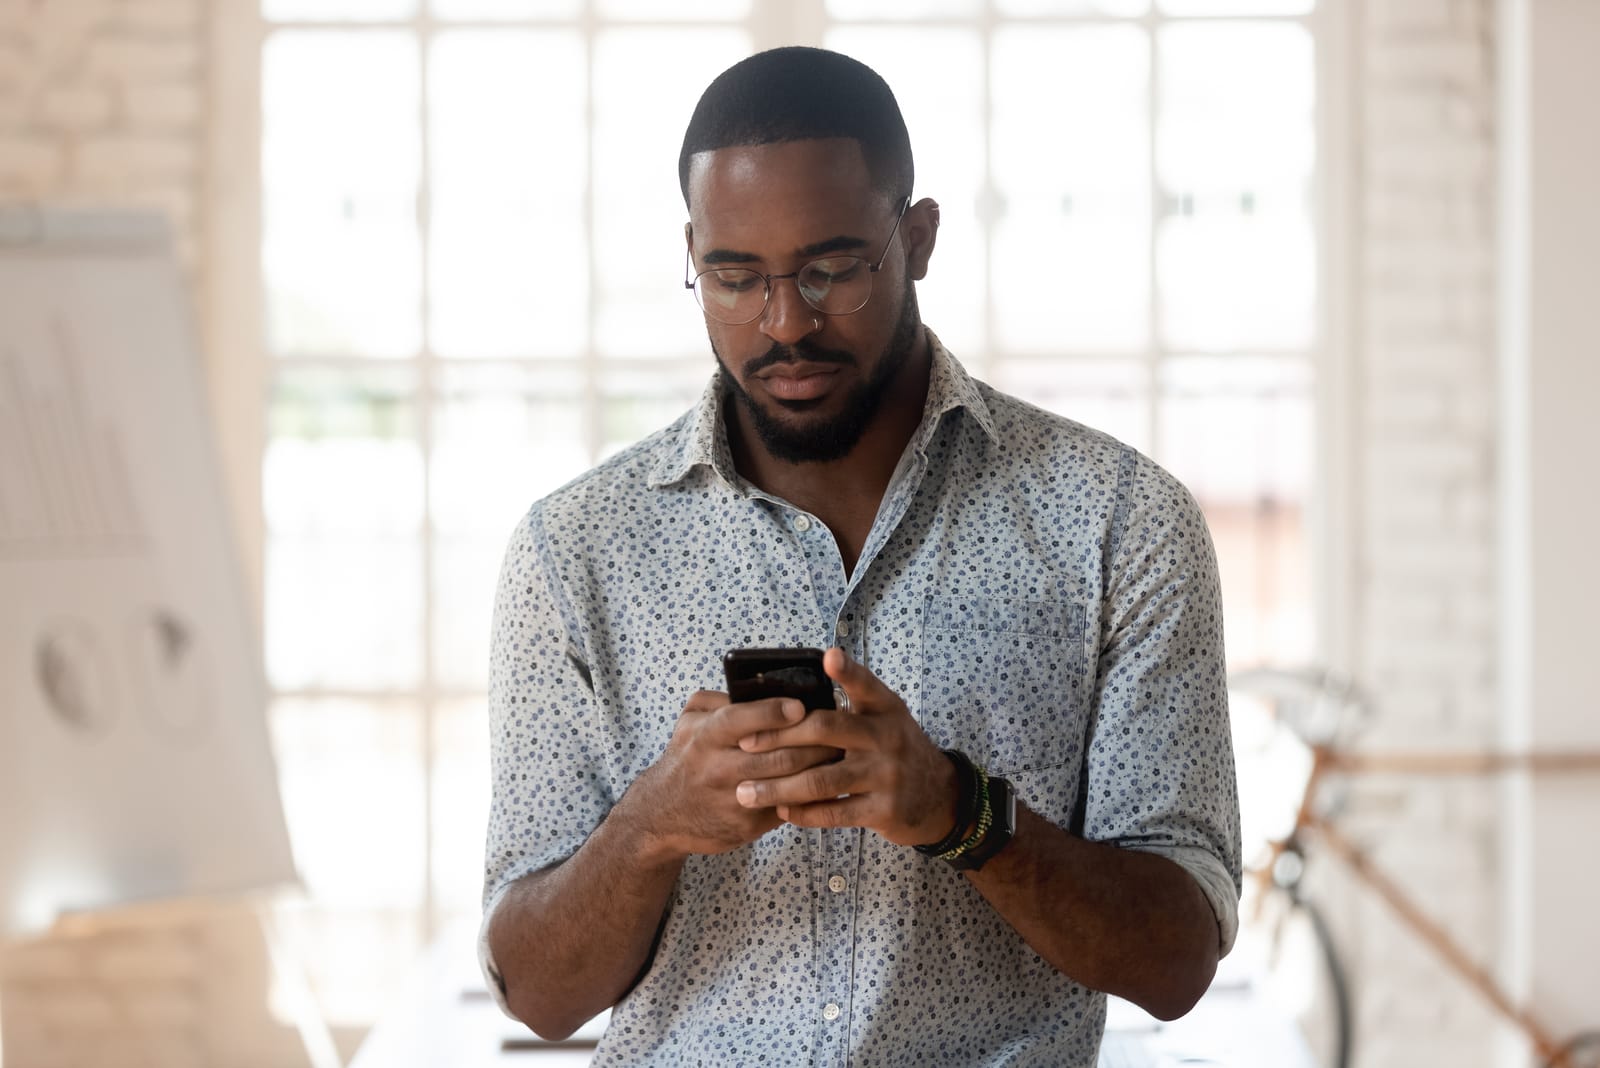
(892,778)
(686,799)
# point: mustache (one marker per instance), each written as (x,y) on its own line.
(804,352)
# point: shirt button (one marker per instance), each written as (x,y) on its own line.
(841,629)
(830,1011)
(802,523)
(836,883)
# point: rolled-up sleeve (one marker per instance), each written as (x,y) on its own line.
(1161,768)
(549,783)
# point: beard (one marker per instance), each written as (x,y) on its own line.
(835,437)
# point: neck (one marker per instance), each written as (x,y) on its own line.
(843,493)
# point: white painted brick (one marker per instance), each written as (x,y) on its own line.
(1449,164)
(78,1010)
(163,1009)
(1414,405)
(1402,16)
(1443,60)
(142,61)
(143,959)
(162,106)
(1390,362)
(59,28)
(173,16)
(117,159)
(42,961)
(76,108)
(29,165)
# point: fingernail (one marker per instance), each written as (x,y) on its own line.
(746,793)
(793,710)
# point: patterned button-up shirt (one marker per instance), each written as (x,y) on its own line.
(1043,598)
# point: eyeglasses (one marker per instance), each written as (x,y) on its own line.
(833,285)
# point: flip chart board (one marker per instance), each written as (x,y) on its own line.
(135,763)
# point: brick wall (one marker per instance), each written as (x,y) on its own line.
(160,987)
(1423,456)
(103,102)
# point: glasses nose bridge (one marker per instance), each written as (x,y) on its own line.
(773,288)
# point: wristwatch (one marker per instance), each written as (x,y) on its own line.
(1003,824)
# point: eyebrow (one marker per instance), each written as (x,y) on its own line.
(840,243)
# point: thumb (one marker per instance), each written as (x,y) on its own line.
(860,685)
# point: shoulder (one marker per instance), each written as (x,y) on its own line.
(612,488)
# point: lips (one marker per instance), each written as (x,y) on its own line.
(798,381)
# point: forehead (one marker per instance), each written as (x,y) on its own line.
(744,196)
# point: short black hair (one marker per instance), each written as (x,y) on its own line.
(797,94)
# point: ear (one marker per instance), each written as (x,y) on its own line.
(921,230)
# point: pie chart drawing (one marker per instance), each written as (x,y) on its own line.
(173,671)
(70,668)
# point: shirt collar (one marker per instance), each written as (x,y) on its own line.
(702,439)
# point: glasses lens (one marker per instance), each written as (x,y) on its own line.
(732,294)
(838,285)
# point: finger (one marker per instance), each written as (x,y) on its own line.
(817,783)
(705,701)
(863,689)
(787,761)
(834,812)
(824,727)
(752,717)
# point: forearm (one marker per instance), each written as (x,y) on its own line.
(569,941)
(1126,922)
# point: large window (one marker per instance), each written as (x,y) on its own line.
(471,263)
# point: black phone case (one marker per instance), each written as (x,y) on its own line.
(754,674)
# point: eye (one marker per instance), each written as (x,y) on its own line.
(833,271)
(736,281)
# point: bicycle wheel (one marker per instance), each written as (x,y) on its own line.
(1307,981)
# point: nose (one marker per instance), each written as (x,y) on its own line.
(788,318)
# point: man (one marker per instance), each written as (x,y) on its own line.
(1024,612)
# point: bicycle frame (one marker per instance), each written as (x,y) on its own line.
(1327,760)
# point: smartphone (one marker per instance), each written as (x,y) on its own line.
(754,674)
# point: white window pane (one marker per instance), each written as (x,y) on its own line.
(1237,7)
(502,440)
(342,459)
(645,91)
(465,573)
(340,250)
(1109,395)
(337,10)
(1238,429)
(627,415)
(937,79)
(1129,8)
(344,613)
(1236,109)
(351,774)
(1239,433)
(1071,163)
(509,269)
(903,9)
(504,9)
(700,10)
(460,803)
(1230,280)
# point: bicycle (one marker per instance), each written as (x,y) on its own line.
(1323,711)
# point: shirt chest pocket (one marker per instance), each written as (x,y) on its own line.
(1004,680)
